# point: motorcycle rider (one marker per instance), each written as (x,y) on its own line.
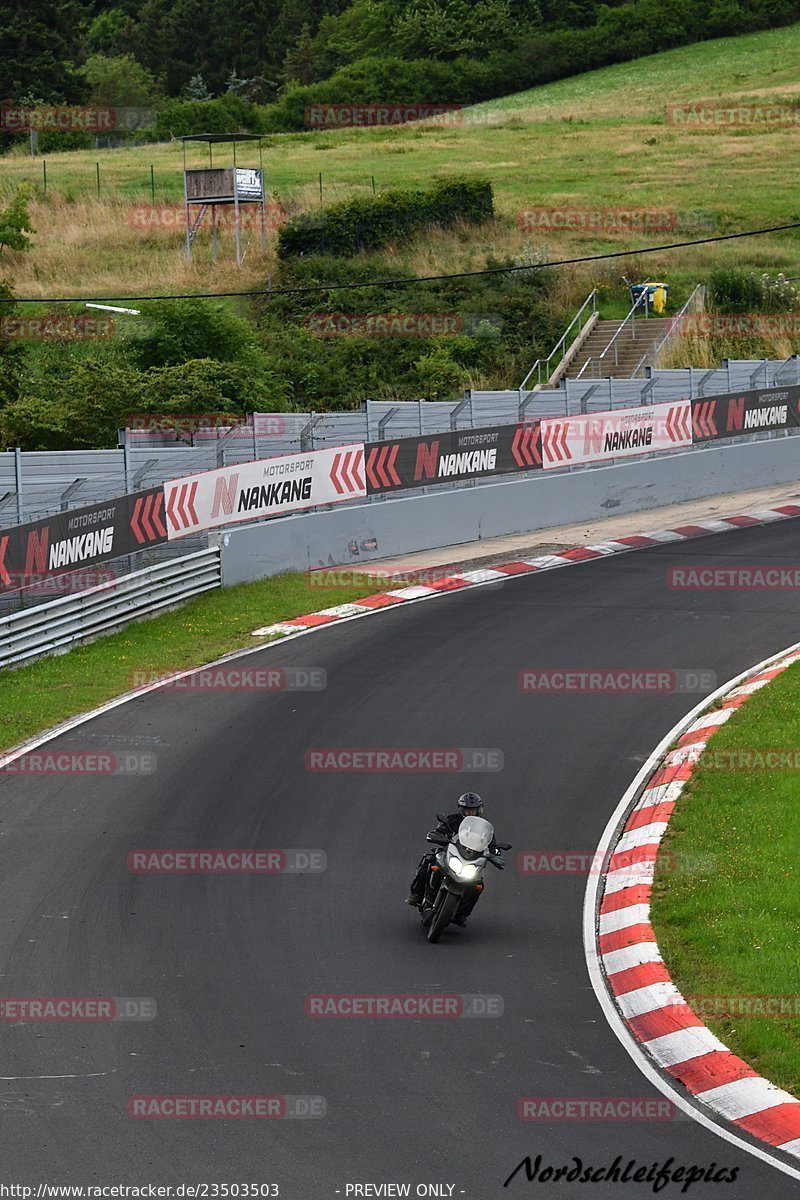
(469,805)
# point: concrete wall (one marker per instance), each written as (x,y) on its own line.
(361,533)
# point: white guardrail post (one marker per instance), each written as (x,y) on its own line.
(59,624)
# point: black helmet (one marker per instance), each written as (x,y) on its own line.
(470,800)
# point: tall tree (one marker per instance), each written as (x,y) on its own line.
(40,45)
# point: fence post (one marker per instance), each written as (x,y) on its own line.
(18,481)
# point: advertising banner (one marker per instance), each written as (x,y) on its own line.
(268,487)
(745,412)
(81,537)
(443,457)
(620,433)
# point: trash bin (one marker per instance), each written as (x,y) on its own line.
(657,293)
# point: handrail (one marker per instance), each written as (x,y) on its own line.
(695,302)
(630,317)
(560,344)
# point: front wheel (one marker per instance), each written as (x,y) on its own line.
(443,915)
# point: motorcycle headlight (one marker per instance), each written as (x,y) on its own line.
(455,864)
(468,871)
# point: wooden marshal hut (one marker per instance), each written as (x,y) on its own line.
(211,186)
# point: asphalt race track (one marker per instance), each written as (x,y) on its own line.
(230,959)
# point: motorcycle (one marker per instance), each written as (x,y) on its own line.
(457,871)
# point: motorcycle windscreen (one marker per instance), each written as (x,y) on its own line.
(475,833)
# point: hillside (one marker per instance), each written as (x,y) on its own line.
(598,139)
(575,168)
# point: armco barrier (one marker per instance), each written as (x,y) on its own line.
(355,536)
(55,626)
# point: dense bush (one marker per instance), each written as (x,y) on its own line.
(503,323)
(369,222)
(733,290)
(181,357)
(618,34)
(228,114)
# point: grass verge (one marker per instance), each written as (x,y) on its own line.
(730,930)
(41,695)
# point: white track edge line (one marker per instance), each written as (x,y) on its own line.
(610,1011)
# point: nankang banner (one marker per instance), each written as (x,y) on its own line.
(740,413)
(621,433)
(443,457)
(80,537)
(268,487)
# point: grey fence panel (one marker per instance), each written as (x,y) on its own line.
(52,480)
(53,627)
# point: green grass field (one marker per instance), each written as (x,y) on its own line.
(600,140)
(730,930)
(44,693)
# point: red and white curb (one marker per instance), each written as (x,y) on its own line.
(530,566)
(634,975)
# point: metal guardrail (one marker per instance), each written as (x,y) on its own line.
(54,627)
(561,344)
(695,303)
(639,302)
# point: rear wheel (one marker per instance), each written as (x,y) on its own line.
(443,915)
